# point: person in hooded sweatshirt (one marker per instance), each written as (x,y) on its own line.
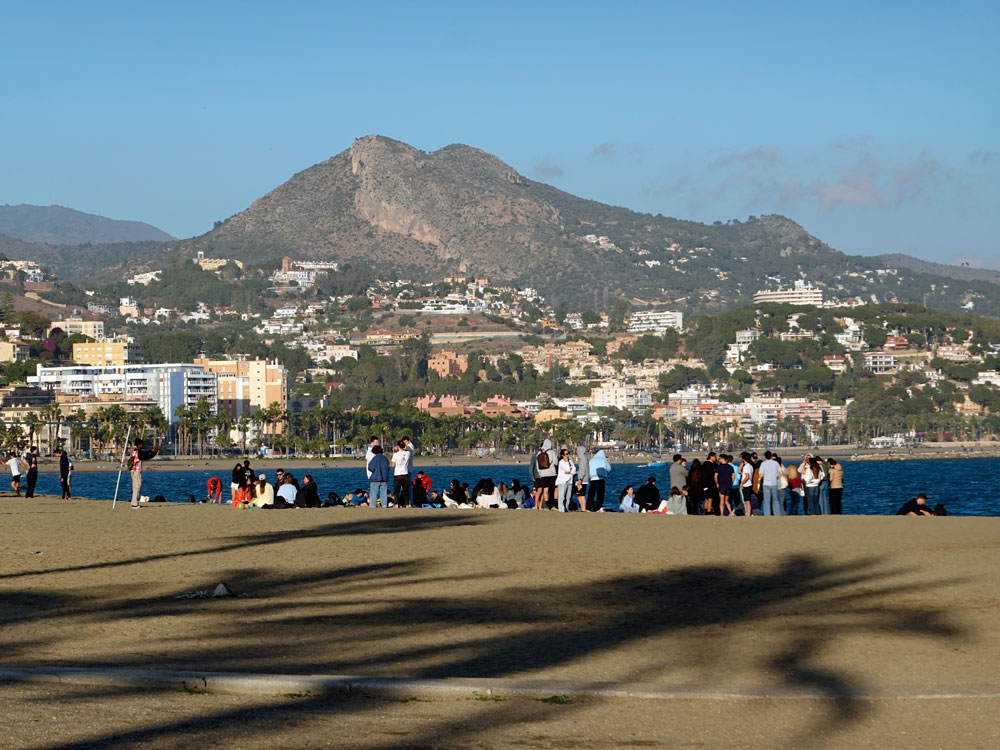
(598,467)
(583,474)
(545,476)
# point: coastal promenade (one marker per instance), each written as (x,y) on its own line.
(829,631)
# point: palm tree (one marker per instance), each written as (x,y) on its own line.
(50,413)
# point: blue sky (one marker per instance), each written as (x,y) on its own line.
(875,125)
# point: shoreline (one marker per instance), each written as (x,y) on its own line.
(223,465)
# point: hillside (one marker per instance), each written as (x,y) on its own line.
(459,210)
(75,261)
(58,225)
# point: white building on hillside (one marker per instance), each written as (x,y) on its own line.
(655,321)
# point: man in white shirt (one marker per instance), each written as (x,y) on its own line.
(14,464)
(770,471)
(402,459)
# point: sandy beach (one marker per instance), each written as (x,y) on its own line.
(844,607)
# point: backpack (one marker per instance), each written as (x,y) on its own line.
(543,461)
(756,479)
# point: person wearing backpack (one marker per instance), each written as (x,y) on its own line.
(545,468)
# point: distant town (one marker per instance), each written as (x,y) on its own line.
(793,368)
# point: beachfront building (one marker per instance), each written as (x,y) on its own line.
(655,321)
(165,385)
(248,385)
(802,293)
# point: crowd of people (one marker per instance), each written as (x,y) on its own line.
(561,479)
(566,480)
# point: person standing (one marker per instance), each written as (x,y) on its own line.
(679,476)
(370,454)
(545,465)
(824,486)
(32,478)
(810,473)
(710,484)
(564,480)
(249,476)
(235,481)
(139,454)
(583,474)
(696,492)
(724,479)
(63,473)
(770,471)
(598,467)
(401,475)
(746,483)
(14,464)
(378,476)
(836,487)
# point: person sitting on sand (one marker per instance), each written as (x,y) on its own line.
(263,493)
(626,501)
(487,495)
(454,495)
(916,507)
(647,497)
(286,492)
(308,494)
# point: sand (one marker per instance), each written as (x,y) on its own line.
(841,606)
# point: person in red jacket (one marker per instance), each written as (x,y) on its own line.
(214,490)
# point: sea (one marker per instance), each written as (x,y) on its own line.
(965,486)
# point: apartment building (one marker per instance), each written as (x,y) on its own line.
(102,354)
(448,364)
(246,385)
(165,385)
(800,294)
(655,321)
(76,325)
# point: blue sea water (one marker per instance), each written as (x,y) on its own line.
(967,487)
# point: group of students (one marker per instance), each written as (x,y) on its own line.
(252,490)
(724,486)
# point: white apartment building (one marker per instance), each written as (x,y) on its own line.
(746,337)
(802,293)
(622,396)
(655,321)
(987,377)
(167,385)
(881,363)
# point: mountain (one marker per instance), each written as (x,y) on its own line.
(58,225)
(961,273)
(407,213)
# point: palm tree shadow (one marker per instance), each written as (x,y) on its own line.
(808,604)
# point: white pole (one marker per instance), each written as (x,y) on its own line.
(128,433)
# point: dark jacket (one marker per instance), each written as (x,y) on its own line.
(648,497)
(307,496)
(63,466)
